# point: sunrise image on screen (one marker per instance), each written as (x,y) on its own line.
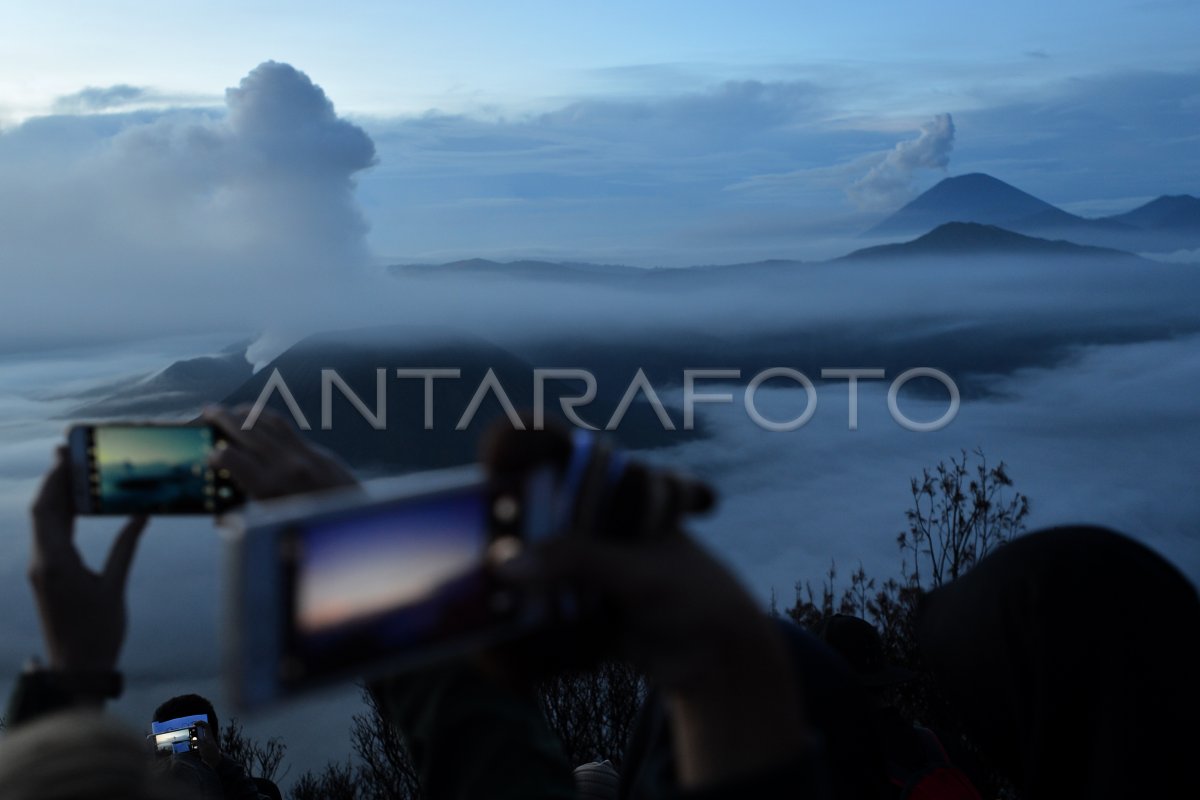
(153,469)
(356,571)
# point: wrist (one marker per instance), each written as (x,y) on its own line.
(743,714)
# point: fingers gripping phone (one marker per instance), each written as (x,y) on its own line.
(148,468)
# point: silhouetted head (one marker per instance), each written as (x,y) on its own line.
(857,641)
(185,705)
(80,755)
(1071,655)
(267,789)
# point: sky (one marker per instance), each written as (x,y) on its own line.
(172,446)
(388,58)
(661,134)
(354,568)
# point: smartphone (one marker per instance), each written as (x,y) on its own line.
(148,468)
(345,586)
(177,735)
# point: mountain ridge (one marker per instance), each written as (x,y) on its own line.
(973,238)
(1166,223)
(952,238)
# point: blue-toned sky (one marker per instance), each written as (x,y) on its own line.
(661,133)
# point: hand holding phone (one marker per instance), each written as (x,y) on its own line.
(329,587)
(207,745)
(271,459)
(82,612)
(338,586)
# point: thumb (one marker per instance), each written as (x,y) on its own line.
(120,557)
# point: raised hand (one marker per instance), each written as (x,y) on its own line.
(82,612)
(271,459)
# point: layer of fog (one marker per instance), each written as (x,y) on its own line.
(1098,441)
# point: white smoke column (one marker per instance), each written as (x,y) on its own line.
(295,160)
(890,182)
(183,220)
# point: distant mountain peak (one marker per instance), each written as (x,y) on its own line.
(472,263)
(963,238)
(972,181)
(974,197)
(1179,212)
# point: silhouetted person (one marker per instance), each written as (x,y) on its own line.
(915,761)
(58,745)
(833,702)
(206,770)
(1072,656)
(79,755)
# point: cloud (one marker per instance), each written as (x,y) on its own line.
(610,135)
(270,186)
(1057,430)
(632,177)
(185,219)
(124,97)
(287,120)
(890,182)
(791,183)
(601,178)
(745,108)
(1178,257)
(97,98)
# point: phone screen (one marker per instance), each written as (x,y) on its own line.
(151,469)
(376,581)
(177,735)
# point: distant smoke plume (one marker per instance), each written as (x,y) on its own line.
(890,182)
